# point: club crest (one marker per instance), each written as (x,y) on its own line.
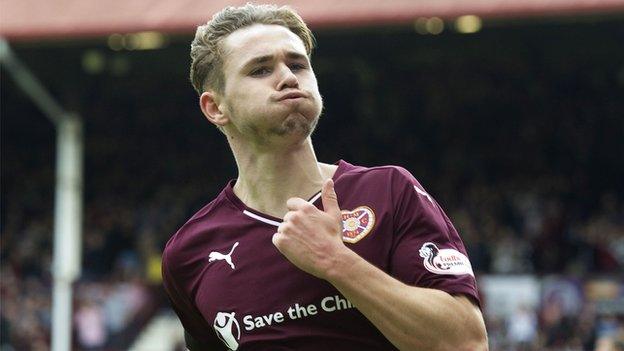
(356,224)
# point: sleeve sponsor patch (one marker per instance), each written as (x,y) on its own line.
(444,261)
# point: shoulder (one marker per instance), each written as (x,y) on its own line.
(396,175)
(388,185)
(186,246)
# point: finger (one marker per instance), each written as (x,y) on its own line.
(296,203)
(330,199)
(282,227)
(288,216)
(277,240)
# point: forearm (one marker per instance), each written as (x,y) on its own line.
(411,318)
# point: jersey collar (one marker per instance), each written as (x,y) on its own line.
(268,219)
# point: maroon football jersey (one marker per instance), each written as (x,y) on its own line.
(232,289)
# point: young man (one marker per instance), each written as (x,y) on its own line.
(368,262)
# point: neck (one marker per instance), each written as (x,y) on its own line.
(268,178)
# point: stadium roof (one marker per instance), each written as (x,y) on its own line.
(63,19)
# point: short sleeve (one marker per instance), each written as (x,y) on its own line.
(427,250)
(192,321)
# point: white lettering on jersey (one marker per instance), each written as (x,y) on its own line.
(252,322)
(224,324)
(217,256)
(423,193)
(444,261)
(328,304)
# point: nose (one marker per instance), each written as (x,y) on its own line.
(287,79)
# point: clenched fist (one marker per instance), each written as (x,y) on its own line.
(310,238)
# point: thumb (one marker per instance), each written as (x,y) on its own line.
(330,199)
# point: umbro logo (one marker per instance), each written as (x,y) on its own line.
(217,256)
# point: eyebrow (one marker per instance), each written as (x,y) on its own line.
(267,58)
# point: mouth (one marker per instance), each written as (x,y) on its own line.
(291,96)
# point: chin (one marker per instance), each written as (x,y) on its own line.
(297,124)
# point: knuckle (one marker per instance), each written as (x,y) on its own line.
(295,217)
(288,217)
(285,228)
(282,227)
(308,208)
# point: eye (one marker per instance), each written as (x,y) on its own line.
(297,67)
(260,72)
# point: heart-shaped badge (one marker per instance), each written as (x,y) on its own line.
(356,224)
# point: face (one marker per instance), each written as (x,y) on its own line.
(270,93)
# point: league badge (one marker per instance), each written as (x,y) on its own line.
(356,224)
(444,261)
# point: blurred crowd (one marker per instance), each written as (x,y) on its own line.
(115,294)
(529,230)
(542,240)
(525,156)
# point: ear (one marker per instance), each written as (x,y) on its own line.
(209,104)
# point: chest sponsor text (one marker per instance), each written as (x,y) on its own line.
(328,304)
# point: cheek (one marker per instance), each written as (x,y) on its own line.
(252,94)
(243,101)
(318,101)
(311,86)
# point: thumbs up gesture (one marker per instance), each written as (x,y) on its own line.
(310,238)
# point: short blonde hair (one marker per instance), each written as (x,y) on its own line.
(206,55)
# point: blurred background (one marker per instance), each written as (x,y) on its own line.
(511,115)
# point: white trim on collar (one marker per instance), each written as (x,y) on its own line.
(261,219)
(315,198)
(270,221)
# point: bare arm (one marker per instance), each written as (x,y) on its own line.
(411,318)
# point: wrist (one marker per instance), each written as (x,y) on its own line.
(343,263)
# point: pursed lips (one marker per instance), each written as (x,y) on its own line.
(291,96)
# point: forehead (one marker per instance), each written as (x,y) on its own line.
(259,40)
